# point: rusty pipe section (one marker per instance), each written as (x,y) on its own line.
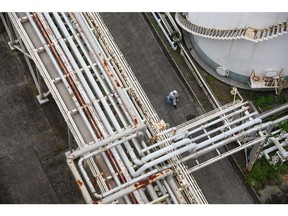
(160,175)
(104,63)
(68,75)
(60,61)
(103,98)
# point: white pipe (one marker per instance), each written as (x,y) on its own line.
(79,180)
(267,151)
(163,141)
(175,190)
(189,147)
(170,192)
(228,133)
(280,147)
(135,186)
(274,111)
(172,146)
(108,140)
(44,44)
(91,95)
(225,154)
(95,86)
(107,68)
(172,44)
(206,134)
(79,73)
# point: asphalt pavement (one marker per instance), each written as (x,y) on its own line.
(134,36)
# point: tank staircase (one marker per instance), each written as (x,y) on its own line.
(247,33)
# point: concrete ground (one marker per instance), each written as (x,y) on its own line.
(32,161)
(219,181)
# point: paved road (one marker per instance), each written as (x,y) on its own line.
(32,161)
(219,182)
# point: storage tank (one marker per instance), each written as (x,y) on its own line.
(247,50)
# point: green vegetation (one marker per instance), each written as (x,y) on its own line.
(210,79)
(265,174)
(284,126)
(265,101)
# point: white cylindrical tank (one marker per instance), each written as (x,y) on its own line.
(235,58)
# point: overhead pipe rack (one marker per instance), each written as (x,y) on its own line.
(125,153)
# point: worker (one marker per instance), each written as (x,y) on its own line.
(173,98)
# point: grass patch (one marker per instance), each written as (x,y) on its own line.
(265,174)
(284,126)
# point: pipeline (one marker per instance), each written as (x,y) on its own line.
(67,75)
(131,150)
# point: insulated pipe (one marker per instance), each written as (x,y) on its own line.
(67,75)
(175,190)
(164,32)
(75,100)
(127,145)
(228,133)
(220,157)
(108,140)
(172,146)
(274,111)
(106,67)
(189,147)
(79,180)
(222,127)
(280,147)
(219,119)
(163,141)
(94,84)
(111,158)
(174,200)
(83,83)
(136,186)
(128,183)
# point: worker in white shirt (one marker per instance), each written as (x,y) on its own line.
(173,97)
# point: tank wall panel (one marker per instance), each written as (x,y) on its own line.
(236,20)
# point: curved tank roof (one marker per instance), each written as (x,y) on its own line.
(236,20)
(237,58)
